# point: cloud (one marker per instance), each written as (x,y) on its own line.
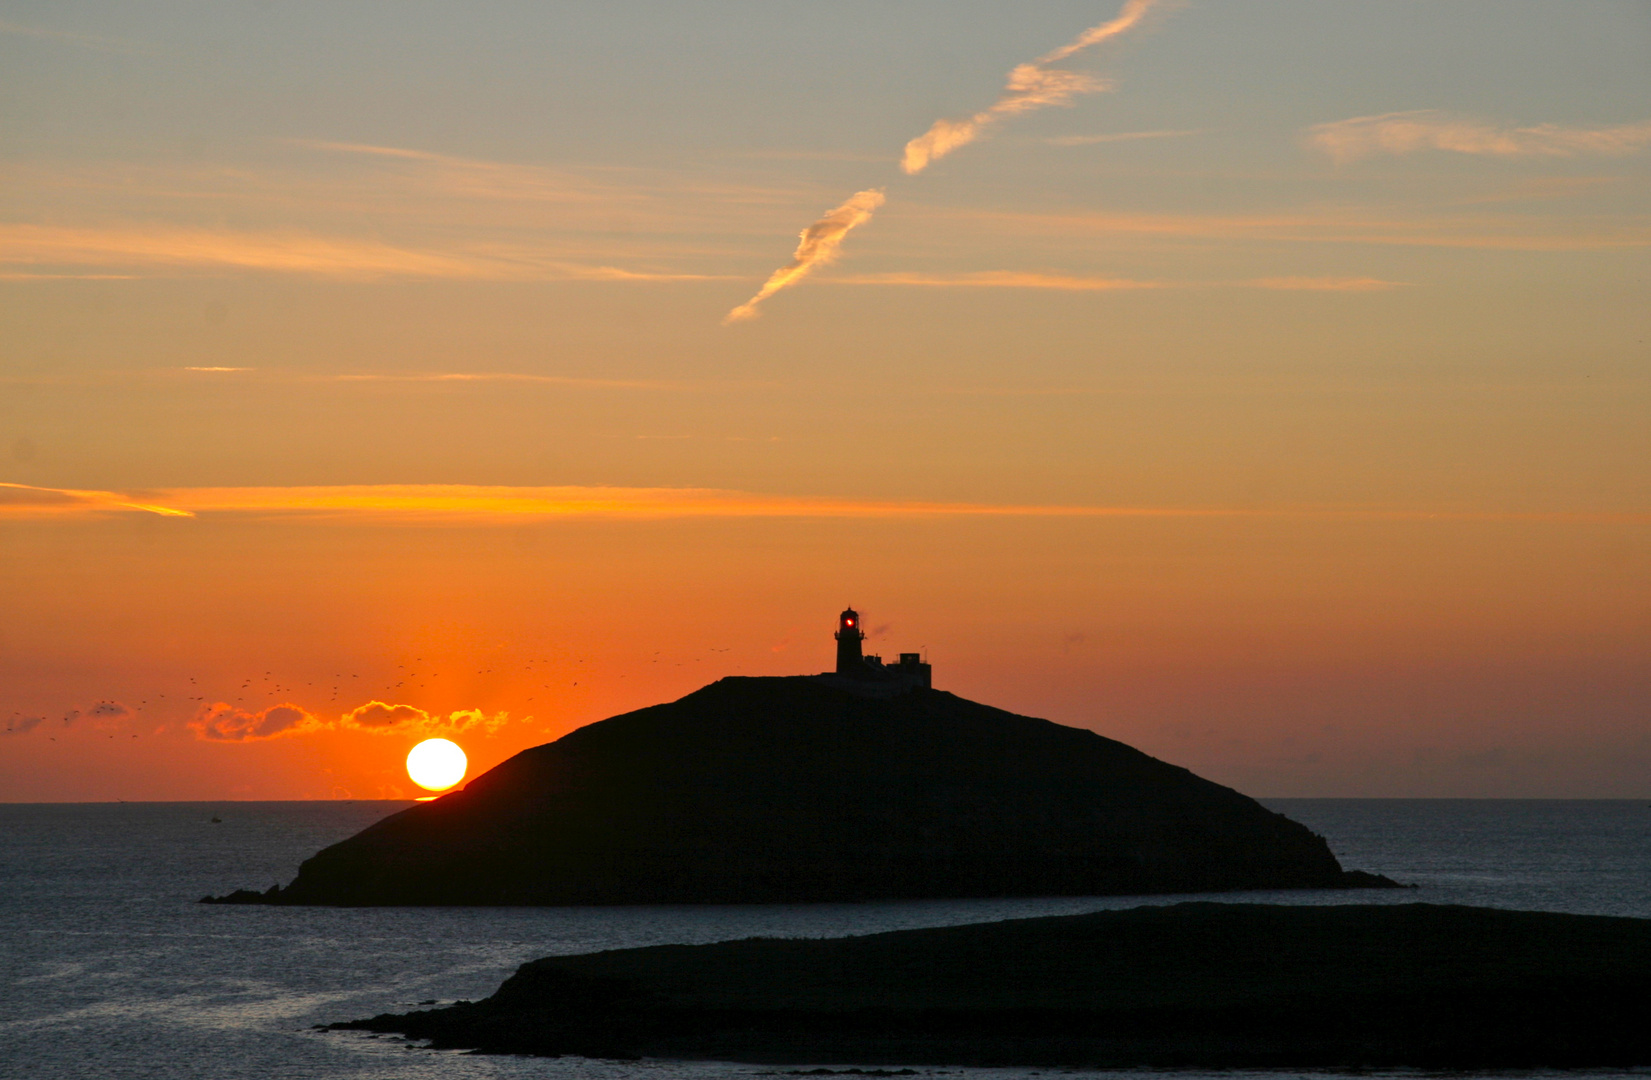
(1122,136)
(1001,279)
(449,378)
(1011,279)
(176,248)
(479,179)
(105,715)
(180,247)
(18,725)
(223,722)
(1325,284)
(468,719)
(24,496)
(1030,86)
(818,245)
(1508,232)
(23,500)
(359,212)
(380,717)
(11,276)
(436,504)
(382,151)
(1129,16)
(1430,129)
(506,376)
(84,41)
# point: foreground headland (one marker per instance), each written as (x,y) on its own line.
(770,790)
(1201,984)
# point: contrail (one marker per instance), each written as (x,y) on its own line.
(1030,87)
(1128,16)
(818,245)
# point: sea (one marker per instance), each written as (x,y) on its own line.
(110,969)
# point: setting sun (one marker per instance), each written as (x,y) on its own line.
(436,764)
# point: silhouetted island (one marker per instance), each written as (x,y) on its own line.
(1202,984)
(818,788)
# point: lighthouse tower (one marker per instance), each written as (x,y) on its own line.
(849,636)
(868,675)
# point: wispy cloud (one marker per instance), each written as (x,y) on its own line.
(818,245)
(175,246)
(383,151)
(1542,189)
(359,211)
(807,155)
(1009,279)
(1514,232)
(1324,284)
(94,42)
(1000,279)
(438,503)
(1030,86)
(17,276)
(257,376)
(508,377)
(180,248)
(23,500)
(1123,136)
(1431,129)
(478,178)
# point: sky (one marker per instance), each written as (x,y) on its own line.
(1261,384)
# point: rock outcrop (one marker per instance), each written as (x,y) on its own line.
(1192,985)
(765,790)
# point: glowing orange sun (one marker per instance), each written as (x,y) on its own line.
(436,764)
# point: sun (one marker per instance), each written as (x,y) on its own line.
(436,764)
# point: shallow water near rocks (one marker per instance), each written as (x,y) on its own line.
(111,970)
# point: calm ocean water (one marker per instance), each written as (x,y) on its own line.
(110,969)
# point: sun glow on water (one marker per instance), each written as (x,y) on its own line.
(436,764)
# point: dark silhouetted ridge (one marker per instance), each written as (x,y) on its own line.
(1192,985)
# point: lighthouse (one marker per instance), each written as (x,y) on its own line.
(868,674)
(849,635)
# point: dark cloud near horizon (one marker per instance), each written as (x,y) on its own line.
(104,714)
(222,722)
(382,716)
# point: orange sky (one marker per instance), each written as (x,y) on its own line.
(1299,654)
(1264,385)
